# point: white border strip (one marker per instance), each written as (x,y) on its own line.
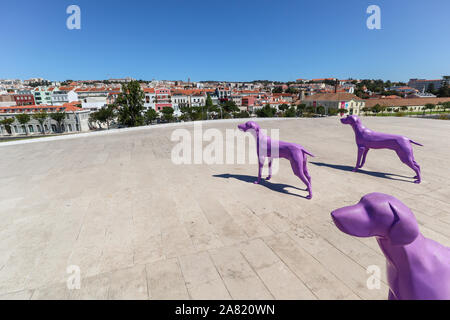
(141,128)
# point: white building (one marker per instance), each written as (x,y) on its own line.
(77,120)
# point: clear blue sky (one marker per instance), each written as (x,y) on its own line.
(238,40)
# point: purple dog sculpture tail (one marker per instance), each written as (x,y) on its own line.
(415,143)
(309,154)
(418,268)
(367,139)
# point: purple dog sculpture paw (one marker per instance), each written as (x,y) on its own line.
(367,139)
(266,147)
(418,268)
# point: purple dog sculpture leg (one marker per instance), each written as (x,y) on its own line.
(261,160)
(364,157)
(270,169)
(418,268)
(295,153)
(367,139)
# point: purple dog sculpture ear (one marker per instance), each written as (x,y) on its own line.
(405,228)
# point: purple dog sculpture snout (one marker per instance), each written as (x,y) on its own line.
(367,139)
(418,268)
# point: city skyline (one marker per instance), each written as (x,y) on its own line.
(239,41)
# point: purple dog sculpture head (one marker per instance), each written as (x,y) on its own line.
(350,119)
(417,268)
(249,125)
(379,215)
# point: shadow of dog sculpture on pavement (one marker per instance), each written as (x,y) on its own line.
(367,139)
(417,267)
(266,147)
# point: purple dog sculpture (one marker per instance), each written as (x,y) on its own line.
(295,153)
(367,139)
(417,268)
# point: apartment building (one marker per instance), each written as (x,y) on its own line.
(348,101)
(76,120)
(43,95)
(149,98)
(93,98)
(63,95)
(425,85)
(163,99)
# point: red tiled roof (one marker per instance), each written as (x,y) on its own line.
(404,102)
(66,88)
(33,108)
(340,96)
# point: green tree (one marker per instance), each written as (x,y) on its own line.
(131,104)
(444,91)
(209,106)
(429,106)
(376,108)
(230,106)
(300,109)
(208,103)
(187,112)
(266,112)
(150,115)
(283,107)
(278,89)
(292,90)
(332,111)
(309,110)
(41,117)
(321,110)
(167,114)
(93,119)
(7,122)
(106,114)
(365,110)
(241,114)
(23,119)
(59,117)
(290,113)
(446,105)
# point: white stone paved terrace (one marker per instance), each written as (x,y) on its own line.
(140,227)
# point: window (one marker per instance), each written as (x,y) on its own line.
(70,127)
(30,128)
(45,127)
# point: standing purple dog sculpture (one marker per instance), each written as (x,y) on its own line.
(295,153)
(417,268)
(367,139)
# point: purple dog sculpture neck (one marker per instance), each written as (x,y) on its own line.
(367,139)
(266,147)
(417,267)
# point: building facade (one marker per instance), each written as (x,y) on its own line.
(347,101)
(43,95)
(77,120)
